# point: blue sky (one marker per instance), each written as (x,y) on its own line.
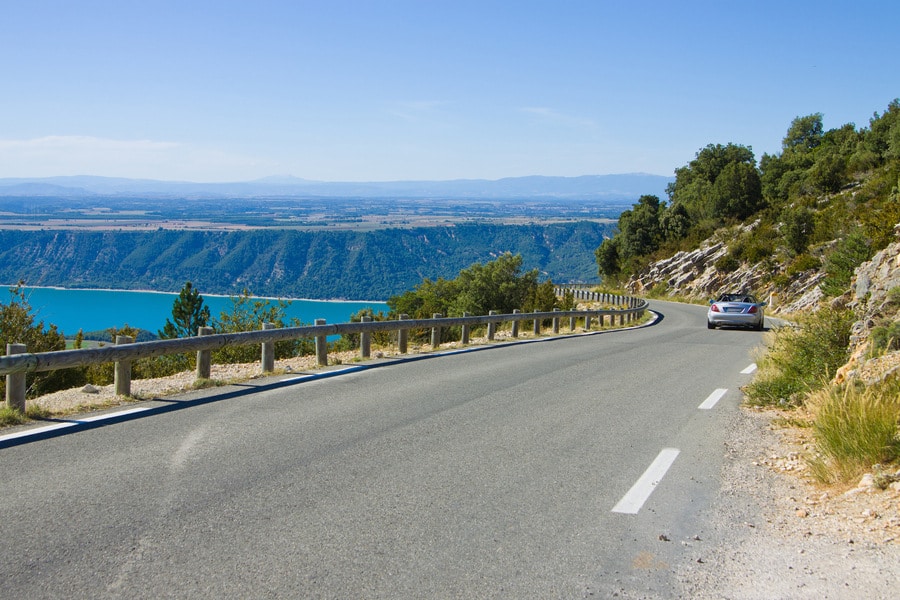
(391,90)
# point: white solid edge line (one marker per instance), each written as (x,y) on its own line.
(632,502)
(750,369)
(712,399)
(73,423)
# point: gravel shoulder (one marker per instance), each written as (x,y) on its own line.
(783,536)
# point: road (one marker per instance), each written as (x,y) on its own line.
(498,473)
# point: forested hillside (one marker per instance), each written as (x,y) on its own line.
(813,212)
(369,265)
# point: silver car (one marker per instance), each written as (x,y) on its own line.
(736,310)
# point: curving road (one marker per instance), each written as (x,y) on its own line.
(558,469)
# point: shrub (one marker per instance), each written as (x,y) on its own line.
(855,427)
(802,360)
(841,262)
(350,341)
(11,416)
(727,263)
(803,262)
(18,326)
(886,338)
(248,314)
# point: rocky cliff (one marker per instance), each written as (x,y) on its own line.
(695,274)
(874,295)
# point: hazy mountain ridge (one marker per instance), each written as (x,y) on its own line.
(613,187)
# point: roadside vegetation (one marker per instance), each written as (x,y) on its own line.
(825,204)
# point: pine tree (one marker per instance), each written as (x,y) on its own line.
(188,314)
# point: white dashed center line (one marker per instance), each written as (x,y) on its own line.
(632,502)
(712,399)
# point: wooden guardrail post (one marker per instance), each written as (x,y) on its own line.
(267,354)
(365,340)
(436,333)
(402,335)
(491,327)
(571,323)
(536,329)
(321,346)
(122,369)
(515,324)
(15,382)
(465,331)
(204,367)
(555,322)
(587,322)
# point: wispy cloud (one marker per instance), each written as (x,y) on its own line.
(419,110)
(552,115)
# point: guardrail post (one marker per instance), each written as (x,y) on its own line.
(122,369)
(15,382)
(515,324)
(555,322)
(321,346)
(402,335)
(436,333)
(587,322)
(204,367)
(268,352)
(465,331)
(491,327)
(536,329)
(365,340)
(571,323)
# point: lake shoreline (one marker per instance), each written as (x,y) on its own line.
(85,289)
(91,310)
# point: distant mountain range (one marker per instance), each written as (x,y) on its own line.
(600,187)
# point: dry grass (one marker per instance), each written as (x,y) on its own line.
(855,427)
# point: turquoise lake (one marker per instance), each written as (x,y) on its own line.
(93,310)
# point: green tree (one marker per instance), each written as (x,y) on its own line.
(609,264)
(497,285)
(798,224)
(737,192)
(675,223)
(188,314)
(18,326)
(882,140)
(640,228)
(694,185)
(249,314)
(804,133)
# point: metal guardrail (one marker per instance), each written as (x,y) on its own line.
(18,362)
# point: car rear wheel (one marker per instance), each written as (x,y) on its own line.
(710,325)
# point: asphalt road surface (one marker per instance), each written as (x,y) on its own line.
(566,468)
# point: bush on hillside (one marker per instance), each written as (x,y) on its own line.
(801,360)
(841,262)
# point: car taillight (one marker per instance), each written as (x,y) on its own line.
(752,309)
(715,308)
